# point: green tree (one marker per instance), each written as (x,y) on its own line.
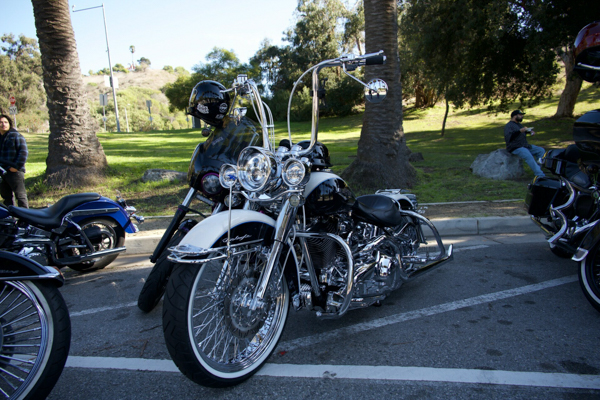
(382,156)
(75,156)
(475,52)
(552,25)
(20,73)
(222,66)
(119,68)
(168,68)
(323,29)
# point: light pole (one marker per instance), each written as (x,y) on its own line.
(112,82)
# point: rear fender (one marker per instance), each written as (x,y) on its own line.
(14,267)
(591,239)
(107,208)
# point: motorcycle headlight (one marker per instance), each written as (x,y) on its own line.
(294,172)
(210,183)
(257,168)
(227,175)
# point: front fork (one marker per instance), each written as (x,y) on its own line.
(283,225)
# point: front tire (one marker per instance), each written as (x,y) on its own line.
(589,276)
(212,335)
(156,283)
(35,338)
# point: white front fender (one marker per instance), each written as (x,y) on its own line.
(245,225)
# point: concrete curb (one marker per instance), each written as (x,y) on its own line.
(446,227)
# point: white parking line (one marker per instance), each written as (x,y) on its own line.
(100,309)
(424,312)
(366,372)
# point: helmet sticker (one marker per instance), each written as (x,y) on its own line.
(223,108)
(202,108)
(219,116)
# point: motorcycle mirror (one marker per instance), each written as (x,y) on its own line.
(376,90)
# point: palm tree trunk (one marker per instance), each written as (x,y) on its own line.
(75,156)
(382,158)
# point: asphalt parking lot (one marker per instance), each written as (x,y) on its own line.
(505,319)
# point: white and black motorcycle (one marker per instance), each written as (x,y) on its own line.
(302,238)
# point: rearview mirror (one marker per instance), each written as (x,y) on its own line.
(376,91)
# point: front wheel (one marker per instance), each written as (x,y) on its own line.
(108,234)
(212,334)
(35,338)
(589,276)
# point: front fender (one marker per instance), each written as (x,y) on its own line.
(245,226)
(591,239)
(14,267)
(106,208)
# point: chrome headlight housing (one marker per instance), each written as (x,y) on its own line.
(211,184)
(257,168)
(295,173)
(228,176)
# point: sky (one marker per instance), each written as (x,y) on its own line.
(167,32)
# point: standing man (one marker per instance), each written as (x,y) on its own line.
(516,142)
(13,155)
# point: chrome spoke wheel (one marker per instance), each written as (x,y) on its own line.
(24,338)
(231,337)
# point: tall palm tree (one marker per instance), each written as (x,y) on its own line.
(382,157)
(75,156)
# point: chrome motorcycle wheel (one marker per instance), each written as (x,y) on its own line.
(34,339)
(212,334)
(589,276)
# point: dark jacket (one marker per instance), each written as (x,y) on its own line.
(13,150)
(513,136)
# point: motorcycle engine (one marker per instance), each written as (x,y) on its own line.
(377,261)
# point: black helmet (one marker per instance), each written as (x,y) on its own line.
(209,103)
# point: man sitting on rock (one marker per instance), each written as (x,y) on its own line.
(516,142)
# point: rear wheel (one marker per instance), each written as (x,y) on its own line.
(213,335)
(111,236)
(589,276)
(156,283)
(35,338)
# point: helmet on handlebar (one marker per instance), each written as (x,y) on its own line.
(209,103)
(587,51)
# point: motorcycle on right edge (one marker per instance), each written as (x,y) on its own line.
(301,239)
(567,208)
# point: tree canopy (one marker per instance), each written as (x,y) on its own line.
(20,73)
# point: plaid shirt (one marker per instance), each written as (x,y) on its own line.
(13,151)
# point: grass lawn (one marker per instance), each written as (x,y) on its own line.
(444,174)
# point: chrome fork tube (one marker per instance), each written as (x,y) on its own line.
(282,228)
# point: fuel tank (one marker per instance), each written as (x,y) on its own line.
(327,193)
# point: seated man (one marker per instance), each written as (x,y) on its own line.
(516,142)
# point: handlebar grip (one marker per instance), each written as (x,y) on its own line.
(376,60)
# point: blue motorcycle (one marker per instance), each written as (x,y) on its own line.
(83,231)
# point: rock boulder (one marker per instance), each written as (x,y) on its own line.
(499,165)
(154,175)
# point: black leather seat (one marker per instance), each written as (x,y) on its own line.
(51,217)
(377,209)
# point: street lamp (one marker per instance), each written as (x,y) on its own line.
(112,82)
